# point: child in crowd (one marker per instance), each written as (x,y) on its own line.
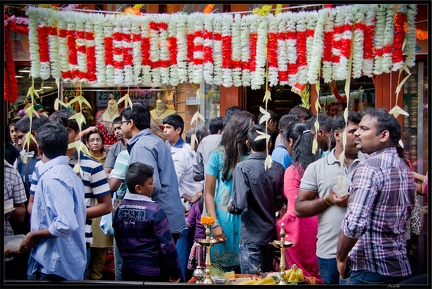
(193,222)
(142,231)
(256,195)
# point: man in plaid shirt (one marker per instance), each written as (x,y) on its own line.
(382,198)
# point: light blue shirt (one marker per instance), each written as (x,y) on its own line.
(280,154)
(59,206)
(150,149)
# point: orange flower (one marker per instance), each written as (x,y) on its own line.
(207,220)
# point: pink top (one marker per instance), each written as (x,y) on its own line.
(426,187)
(301,231)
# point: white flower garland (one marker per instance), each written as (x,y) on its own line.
(197,75)
(217,52)
(245,50)
(164,52)
(127,46)
(302,19)
(63,49)
(314,66)
(368,63)
(261,54)
(182,48)
(411,39)
(236,50)
(282,49)
(388,38)
(379,37)
(358,38)
(172,31)
(136,51)
(291,45)
(208,44)
(311,24)
(100,49)
(53,42)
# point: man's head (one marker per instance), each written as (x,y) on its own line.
(116,126)
(134,119)
(377,130)
(200,131)
(336,136)
(322,135)
(285,120)
(52,140)
(139,179)
(62,117)
(12,131)
(273,121)
(302,113)
(229,112)
(216,125)
(256,145)
(173,127)
(22,127)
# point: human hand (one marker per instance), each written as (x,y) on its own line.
(341,266)
(27,243)
(196,197)
(219,234)
(338,201)
(11,253)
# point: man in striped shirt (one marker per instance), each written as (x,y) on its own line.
(382,198)
(97,192)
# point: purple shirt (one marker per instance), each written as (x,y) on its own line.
(194,220)
(143,236)
(382,198)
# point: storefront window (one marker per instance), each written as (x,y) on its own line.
(210,103)
(333,97)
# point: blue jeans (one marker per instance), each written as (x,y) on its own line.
(255,259)
(118,262)
(184,246)
(328,270)
(370,278)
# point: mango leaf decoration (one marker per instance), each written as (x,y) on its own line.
(194,141)
(267,96)
(79,117)
(58,102)
(268,162)
(126,98)
(397,110)
(265,115)
(80,100)
(197,116)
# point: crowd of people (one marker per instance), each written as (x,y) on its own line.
(140,199)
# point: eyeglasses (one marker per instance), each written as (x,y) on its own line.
(95,140)
(125,121)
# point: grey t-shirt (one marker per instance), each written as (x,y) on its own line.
(321,176)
